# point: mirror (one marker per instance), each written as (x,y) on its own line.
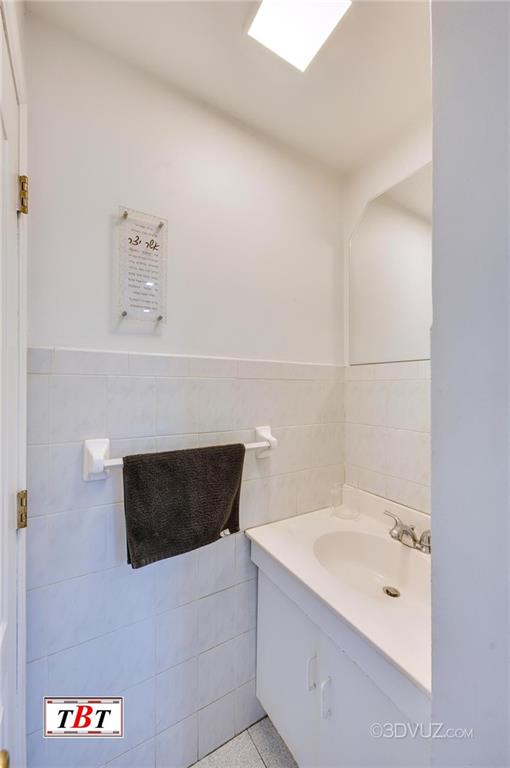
(390,271)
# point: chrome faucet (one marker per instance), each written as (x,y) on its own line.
(425,542)
(407,535)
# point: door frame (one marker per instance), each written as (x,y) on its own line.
(11,25)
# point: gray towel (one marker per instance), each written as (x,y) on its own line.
(180,500)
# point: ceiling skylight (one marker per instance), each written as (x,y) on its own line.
(297,29)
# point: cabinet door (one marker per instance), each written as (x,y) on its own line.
(349,704)
(287,669)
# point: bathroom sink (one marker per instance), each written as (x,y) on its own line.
(346,561)
(370,563)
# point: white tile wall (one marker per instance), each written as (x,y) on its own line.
(387,431)
(177,746)
(177,638)
(216,724)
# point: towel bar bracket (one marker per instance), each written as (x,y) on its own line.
(97,462)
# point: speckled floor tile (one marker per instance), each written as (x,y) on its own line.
(270,745)
(238,753)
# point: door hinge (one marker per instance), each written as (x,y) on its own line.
(22,508)
(23,194)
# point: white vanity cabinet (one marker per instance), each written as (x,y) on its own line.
(287,671)
(319,699)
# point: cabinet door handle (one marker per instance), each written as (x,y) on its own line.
(310,676)
(325,709)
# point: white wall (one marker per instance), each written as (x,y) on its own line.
(255,232)
(390,291)
(471,381)
(177,638)
(401,159)
(387,431)
(255,271)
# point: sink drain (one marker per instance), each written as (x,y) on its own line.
(391,591)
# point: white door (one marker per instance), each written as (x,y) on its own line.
(287,669)
(12,408)
(350,704)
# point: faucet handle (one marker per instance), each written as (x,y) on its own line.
(395,531)
(425,542)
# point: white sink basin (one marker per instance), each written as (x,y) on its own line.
(369,563)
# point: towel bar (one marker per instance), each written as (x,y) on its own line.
(96,453)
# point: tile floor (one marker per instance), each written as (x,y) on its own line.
(259,747)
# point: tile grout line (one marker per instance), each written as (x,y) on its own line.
(385,426)
(119,502)
(149,617)
(157,612)
(165,435)
(253,742)
(384,474)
